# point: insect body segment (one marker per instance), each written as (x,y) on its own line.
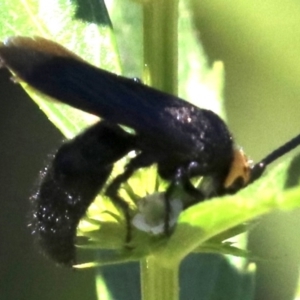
(68,186)
(182,139)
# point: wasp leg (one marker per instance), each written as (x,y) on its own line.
(182,180)
(112,190)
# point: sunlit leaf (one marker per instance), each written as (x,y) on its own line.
(73,24)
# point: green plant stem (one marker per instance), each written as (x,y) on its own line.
(158,282)
(160,71)
(161,44)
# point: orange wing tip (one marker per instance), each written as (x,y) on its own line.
(39,44)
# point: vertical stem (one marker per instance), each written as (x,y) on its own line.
(157,281)
(161,44)
(161,72)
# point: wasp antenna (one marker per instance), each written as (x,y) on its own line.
(258,169)
(285,148)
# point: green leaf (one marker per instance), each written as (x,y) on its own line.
(203,221)
(204,227)
(64,22)
(198,82)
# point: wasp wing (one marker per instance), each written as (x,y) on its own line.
(155,115)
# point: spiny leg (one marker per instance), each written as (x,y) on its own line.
(112,190)
(112,193)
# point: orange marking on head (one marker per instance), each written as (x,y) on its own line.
(240,169)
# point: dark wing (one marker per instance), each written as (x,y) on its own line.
(55,71)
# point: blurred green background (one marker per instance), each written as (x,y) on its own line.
(259,43)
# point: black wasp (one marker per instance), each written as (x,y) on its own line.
(182,139)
